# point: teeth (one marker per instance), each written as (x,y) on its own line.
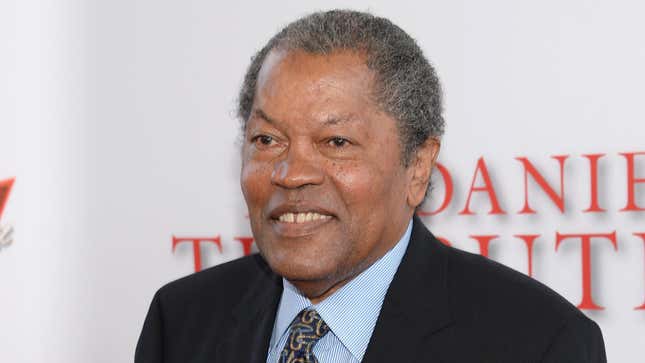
(301,217)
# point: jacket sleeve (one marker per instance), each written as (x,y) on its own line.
(150,346)
(579,340)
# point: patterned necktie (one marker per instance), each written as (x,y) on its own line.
(306,330)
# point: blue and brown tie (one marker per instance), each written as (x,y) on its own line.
(306,330)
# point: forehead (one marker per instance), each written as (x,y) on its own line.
(297,83)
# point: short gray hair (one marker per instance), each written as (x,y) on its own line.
(406,85)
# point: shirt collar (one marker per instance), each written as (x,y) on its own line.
(352,311)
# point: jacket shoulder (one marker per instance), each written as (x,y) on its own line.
(488,286)
(500,307)
(217,288)
(187,316)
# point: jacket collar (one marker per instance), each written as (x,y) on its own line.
(417,303)
(247,333)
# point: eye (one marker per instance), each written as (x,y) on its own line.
(263,140)
(338,141)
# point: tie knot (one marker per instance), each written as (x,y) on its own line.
(305,331)
(310,324)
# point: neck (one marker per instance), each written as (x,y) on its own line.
(318,290)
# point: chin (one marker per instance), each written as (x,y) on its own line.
(299,268)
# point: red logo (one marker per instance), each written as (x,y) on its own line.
(6,232)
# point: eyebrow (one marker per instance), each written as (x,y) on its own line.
(261,114)
(329,121)
(335,120)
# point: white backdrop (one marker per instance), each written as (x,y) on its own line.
(116,118)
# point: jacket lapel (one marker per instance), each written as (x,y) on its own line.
(251,323)
(416,306)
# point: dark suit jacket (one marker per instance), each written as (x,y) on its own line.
(444,305)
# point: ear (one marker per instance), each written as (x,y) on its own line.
(420,169)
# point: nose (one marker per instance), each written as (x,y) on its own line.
(298,168)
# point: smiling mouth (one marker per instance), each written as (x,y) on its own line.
(304,217)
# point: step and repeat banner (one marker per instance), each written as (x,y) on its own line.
(119,155)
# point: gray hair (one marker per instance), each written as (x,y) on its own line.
(406,85)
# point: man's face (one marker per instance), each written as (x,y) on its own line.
(322,174)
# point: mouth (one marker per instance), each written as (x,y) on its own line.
(301,217)
(298,220)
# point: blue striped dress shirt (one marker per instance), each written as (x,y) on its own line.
(350,312)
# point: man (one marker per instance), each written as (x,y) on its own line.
(342,122)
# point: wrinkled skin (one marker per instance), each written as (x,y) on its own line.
(317,142)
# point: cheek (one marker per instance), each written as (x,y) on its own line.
(358,180)
(372,193)
(361,185)
(255,180)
